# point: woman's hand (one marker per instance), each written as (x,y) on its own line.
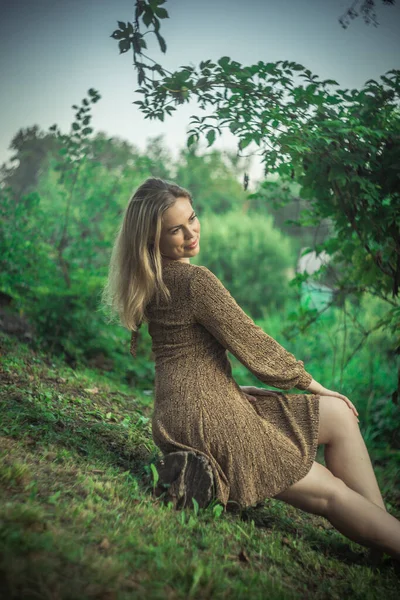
(326,392)
(249,390)
(245,390)
(317,388)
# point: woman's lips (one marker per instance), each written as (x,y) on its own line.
(193,245)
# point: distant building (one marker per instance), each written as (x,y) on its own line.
(313,293)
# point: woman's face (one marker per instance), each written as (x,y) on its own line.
(180,228)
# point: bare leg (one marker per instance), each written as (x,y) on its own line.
(364,522)
(346,454)
(360,520)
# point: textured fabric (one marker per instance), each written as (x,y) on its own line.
(256,448)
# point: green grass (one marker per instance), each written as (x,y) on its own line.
(78,518)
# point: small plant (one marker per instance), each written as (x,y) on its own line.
(217,511)
(155,475)
(196,506)
(54,497)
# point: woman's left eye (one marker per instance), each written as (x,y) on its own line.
(191,219)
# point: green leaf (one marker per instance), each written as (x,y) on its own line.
(210,137)
(234,126)
(245,141)
(184,75)
(155,4)
(297,67)
(117,34)
(224,62)
(53,499)
(161,13)
(155,474)
(161,41)
(204,64)
(202,82)
(124,46)
(192,139)
(196,508)
(147,17)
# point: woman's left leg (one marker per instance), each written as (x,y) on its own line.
(346,454)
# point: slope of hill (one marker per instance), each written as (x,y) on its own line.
(78,518)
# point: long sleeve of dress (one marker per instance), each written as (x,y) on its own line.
(217,311)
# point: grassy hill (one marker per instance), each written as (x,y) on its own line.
(78,519)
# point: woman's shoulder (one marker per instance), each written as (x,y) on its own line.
(203,280)
(174,266)
(195,274)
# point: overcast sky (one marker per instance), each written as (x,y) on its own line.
(53,51)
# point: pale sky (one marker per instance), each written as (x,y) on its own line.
(53,51)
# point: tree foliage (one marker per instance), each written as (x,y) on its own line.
(56,237)
(338,143)
(364,8)
(342,146)
(252,257)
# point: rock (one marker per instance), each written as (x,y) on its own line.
(183,476)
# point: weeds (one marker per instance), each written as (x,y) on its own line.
(79,519)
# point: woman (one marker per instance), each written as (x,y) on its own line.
(259,443)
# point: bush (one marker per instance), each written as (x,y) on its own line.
(254,260)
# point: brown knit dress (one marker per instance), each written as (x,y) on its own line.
(256,448)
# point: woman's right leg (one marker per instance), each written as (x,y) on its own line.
(360,520)
(346,455)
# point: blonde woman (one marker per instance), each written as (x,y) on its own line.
(259,443)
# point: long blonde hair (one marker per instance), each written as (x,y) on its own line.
(135,268)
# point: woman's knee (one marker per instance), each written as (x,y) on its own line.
(315,492)
(335,419)
(337,496)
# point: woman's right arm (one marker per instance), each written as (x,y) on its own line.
(217,311)
(316,388)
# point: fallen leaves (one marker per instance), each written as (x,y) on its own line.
(104,544)
(243,556)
